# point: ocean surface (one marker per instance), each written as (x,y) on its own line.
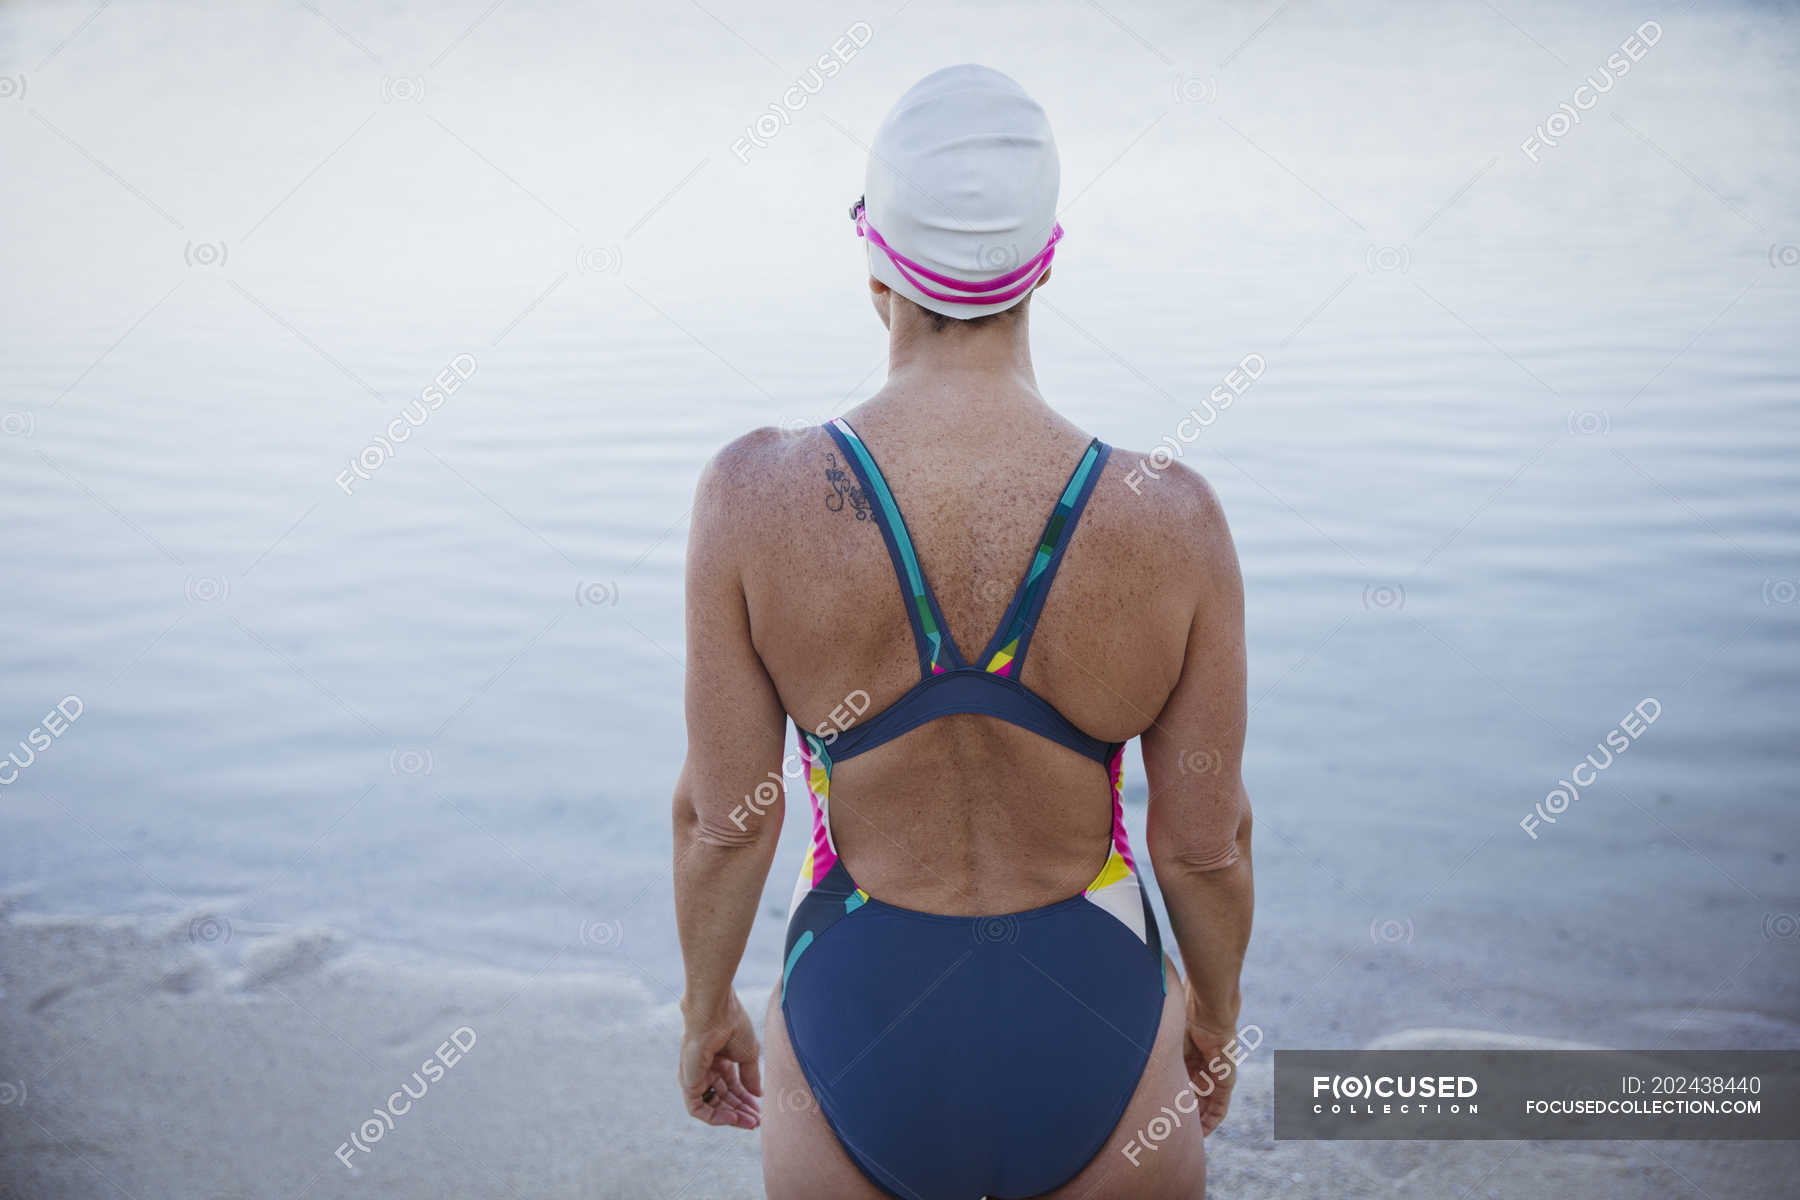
(1520,458)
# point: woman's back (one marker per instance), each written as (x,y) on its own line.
(966,814)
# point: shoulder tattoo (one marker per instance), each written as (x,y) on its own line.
(844,490)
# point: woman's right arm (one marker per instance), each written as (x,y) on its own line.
(1199,820)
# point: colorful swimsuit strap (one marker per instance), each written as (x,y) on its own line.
(937,650)
(1005,654)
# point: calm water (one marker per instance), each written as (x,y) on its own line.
(1523,454)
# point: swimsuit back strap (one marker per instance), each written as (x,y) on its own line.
(1005,654)
(931,635)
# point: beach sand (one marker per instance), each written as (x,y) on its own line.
(138,1058)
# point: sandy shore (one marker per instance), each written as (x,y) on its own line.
(139,1059)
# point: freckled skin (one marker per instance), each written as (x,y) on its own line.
(828,619)
(1141,634)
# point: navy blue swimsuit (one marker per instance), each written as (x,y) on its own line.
(962,1057)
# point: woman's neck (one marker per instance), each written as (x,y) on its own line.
(988,365)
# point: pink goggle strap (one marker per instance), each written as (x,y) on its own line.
(998,290)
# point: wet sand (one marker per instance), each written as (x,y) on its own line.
(140,1059)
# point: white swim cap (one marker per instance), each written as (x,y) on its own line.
(959,205)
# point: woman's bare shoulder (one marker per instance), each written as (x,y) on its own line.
(754,483)
(1168,506)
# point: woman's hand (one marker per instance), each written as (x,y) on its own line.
(1211,1070)
(719,1072)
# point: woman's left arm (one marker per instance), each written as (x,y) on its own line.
(727,814)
